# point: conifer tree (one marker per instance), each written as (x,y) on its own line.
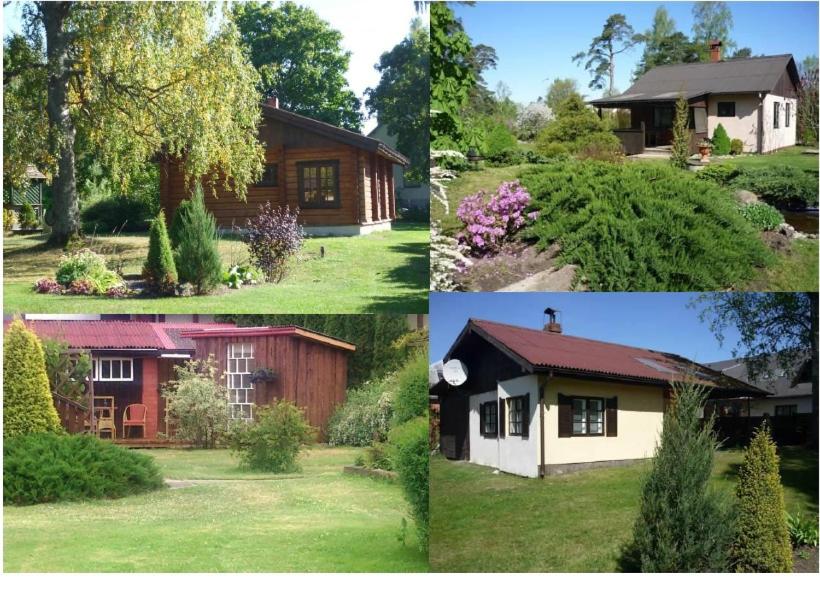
(721,144)
(27,404)
(762,536)
(159,269)
(680,134)
(683,526)
(197,254)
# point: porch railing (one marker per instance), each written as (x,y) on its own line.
(633,140)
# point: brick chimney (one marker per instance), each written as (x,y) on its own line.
(714,50)
(273,102)
(553,326)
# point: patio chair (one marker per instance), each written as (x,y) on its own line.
(134,416)
(104,416)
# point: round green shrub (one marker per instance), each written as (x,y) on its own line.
(273,441)
(48,467)
(720,173)
(410,458)
(736,147)
(196,254)
(28,217)
(27,403)
(762,216)
(499,138)
(553,150)
(411,398)
(115,214)
(159,269)
(762,535)
(642,226)
(721,144)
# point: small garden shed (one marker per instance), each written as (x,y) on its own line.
(342,182)
(15,198)
(259,365)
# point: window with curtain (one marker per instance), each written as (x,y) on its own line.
(587,416)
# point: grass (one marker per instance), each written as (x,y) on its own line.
(569,523)
(381,272)
(317,520)
(793,157)
(795,271)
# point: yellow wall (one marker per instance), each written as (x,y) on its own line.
(640,417)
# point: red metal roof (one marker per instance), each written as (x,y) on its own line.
(267,331)
(543,349)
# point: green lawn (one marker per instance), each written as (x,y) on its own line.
(317,520)
(788,156)
(569,523)
(381,272)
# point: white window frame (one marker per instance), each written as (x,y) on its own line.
(238,371)
(122,360)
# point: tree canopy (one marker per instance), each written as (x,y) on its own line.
(128,81)
(560,90)
(402,99)
(664,45)
(713,21)
(617,36)
(300,61)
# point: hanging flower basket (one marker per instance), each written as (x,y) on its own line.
(263,375)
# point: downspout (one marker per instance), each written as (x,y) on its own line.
(542,394)
(760,121)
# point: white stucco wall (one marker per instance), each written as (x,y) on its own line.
(767,405)
(782,136)
(640,420)
(743,125)
(511,454)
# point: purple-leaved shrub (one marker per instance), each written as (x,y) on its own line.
(273,236)
(490,222)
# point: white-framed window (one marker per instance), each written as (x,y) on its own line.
(240,387)
(113,368)
(587,416)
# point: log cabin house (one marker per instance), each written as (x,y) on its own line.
(341,182)
(131,360)
(755,99)
(536,402)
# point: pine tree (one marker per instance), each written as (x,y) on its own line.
(762,537)
(27,403)
(197,254)
(721,144)
(683,525)
(680,134)
(159,269)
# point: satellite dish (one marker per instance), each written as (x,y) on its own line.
(454,372)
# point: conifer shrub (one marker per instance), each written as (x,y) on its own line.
(736,147)
(47,467)
(273,441)
(683,525)
(27,403)
(781,185)
(28,216)
(721,144)
(176,223)
(642,226)
(761,533)
(196,254)
(410,458)
(159,269)
(680,134)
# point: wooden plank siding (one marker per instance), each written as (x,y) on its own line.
(312,375)
(365,182)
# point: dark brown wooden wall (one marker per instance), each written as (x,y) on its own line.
(312,375)
(124,392)
(361,174)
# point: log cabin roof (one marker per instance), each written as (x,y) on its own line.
(735,76)
(335,133)
(537,350)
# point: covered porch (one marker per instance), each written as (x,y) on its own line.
(651,118)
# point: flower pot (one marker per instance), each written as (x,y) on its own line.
(705,151)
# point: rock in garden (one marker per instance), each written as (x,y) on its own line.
(746,197)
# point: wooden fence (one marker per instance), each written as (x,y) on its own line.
(790,430)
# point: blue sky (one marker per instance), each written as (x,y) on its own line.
(655,321)
(361,36)
(535,41)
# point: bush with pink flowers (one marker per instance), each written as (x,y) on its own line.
(490,222)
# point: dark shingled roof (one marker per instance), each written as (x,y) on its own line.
(779,383)
(538,350)
(742,75)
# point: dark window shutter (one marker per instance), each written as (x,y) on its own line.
(564,416)
(612,417)
(481,425)
(525,416)
(502,420)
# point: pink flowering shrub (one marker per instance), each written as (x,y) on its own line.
(490,222)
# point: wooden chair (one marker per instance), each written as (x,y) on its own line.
(104,416)
(134,416)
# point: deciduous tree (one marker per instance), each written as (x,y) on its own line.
(128,80)
(560,90)
(713,21)
(300,61)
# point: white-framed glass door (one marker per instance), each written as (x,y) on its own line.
(240,387)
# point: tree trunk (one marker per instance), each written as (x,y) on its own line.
(65,208)
(611,70)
